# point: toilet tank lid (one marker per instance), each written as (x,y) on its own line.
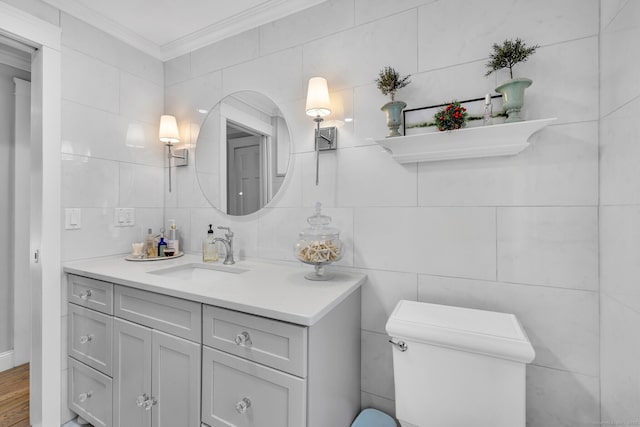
(478,331)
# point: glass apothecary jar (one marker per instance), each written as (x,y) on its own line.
(319,245)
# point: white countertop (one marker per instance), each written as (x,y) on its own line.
(271,289)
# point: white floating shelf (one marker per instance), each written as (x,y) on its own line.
(483,141)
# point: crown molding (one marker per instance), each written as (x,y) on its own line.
(108,26)
(266,12)
(249,19)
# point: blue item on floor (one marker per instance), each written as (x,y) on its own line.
(373,418)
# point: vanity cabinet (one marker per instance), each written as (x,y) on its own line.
(261,350)
(134,356)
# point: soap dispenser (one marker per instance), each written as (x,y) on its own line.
(209,247)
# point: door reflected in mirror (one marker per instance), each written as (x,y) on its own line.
(242,153)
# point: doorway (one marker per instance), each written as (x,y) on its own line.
(245,150)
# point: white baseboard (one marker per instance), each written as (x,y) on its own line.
(6,360)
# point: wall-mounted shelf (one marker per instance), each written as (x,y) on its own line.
(483,141)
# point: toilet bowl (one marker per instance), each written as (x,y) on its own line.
(456,367)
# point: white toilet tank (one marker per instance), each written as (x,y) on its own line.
(459,368)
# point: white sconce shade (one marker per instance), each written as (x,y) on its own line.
(318,104)
(169,130)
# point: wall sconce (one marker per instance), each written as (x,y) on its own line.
(318,106)
(169,135)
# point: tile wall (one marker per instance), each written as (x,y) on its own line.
(516,234)
(619,212)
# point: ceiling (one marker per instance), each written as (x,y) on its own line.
(169,28)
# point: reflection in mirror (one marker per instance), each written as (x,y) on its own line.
(242,153)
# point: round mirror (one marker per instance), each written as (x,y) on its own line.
(242,153)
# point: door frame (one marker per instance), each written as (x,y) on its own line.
(45,372)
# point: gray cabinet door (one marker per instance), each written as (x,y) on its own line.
(131,374)
(175,376)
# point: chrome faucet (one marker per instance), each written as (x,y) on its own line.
(228,245)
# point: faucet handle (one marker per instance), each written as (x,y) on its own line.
(229,233)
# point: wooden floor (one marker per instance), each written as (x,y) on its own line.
(14,397)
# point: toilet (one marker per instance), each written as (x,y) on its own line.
(458,367)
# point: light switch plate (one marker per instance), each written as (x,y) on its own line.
(124,217)
(72,219)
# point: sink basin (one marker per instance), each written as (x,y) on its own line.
(199,272)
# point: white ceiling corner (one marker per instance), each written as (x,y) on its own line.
(166,29)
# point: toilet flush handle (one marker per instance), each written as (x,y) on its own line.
(402,346)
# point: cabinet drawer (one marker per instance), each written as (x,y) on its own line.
(90,394)
(168,314)
(91,293)
(90,338)
(277,344)
(273,397)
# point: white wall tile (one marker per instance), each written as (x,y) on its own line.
(559,398)
(377,365)
(326,192)
(89,182)
(619,154)
(617,66)
(561,324)
(551,246)
(544,22)
(354,57)
(559,168)
(87,81)
(87,39)
(278,76)
(177,70)
(100,237)
(446,241)
(620,351)
(359,181)
(140,99)
(608,12)
(186,186)
(328,17)
(141,186)
(184,99)
(380,294)
(619,249)
(228,52)
(370,10)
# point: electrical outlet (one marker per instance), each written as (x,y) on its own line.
(72,219)
(125,217)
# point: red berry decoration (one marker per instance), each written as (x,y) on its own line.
(453,116)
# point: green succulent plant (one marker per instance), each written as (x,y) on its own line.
(389,81)
(508,54)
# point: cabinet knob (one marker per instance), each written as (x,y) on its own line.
(243,339)
(243,405)
(140,401)
(85,295)
(86,338)
(82,397)
(150,402)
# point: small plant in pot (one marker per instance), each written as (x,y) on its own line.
(389,81)
(507,55)
(453,116)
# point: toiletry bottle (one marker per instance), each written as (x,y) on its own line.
(162,245)
(209,247)
(488,111)
(172,239)
(149,245)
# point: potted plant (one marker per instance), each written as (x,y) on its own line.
(507,55)
(453,116)
(389,81)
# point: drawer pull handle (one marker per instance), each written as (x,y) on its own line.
(150,402)
(85,295)
(86,338)
(243,339)
(82,397)
(243,405)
